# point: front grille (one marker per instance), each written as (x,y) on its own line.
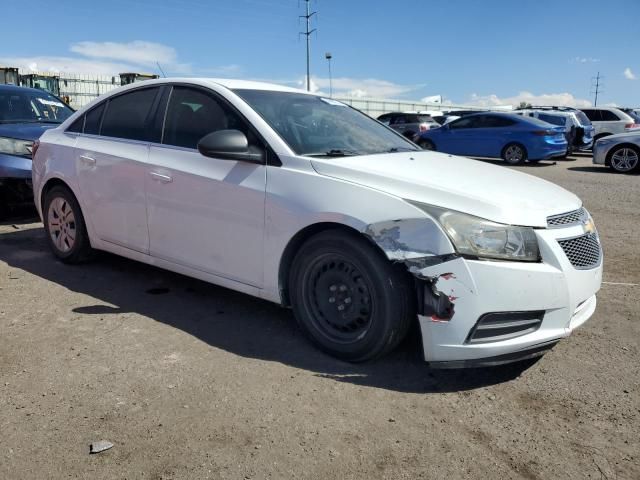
(566,219)
(494,327)
(584,251)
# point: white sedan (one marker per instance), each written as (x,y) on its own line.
(301,200)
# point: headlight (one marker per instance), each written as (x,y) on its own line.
(481,238)
(13,146)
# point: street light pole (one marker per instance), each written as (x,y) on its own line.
(328,56)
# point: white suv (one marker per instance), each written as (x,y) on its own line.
(609,121)
(304,201)
(578,129)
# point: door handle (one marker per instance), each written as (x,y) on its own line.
(161,177)
(87,160)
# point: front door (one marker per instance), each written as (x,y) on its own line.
(205,213)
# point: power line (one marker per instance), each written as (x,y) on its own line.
(308,33)
(596,87)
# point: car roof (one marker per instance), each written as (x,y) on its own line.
(16,88)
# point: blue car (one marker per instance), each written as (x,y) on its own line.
(501,135)
(25,113)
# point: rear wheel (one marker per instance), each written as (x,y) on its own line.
(350,300)
(624,159)
(65,227)
(514,154)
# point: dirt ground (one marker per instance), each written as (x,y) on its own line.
(192,381)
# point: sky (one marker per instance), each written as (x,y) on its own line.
(481,52)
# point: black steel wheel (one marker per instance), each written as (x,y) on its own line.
(350,300)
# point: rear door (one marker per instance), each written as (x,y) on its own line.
(205,213)
(112,155)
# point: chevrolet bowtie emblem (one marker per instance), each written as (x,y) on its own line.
(589,226)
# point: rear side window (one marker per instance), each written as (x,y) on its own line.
(127,115)
(496,122)
(93,118)
(192,114)
(553,119)
(593,115)
(608,116)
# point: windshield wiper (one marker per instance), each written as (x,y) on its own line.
(334,152)
(401,149)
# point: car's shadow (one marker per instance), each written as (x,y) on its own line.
(231,321)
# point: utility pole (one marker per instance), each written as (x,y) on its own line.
(328,56)
(596,88)
(308,33)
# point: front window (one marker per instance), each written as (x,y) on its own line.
(29,106)
(317,126)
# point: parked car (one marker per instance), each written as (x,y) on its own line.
(442,119)
(408,124)
(634,113)
(24,114)
(304,201)
(609,121)
(578,128)
(620,152)
(502,135)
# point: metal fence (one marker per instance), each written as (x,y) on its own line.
(81,89)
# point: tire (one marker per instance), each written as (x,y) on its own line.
(351,301)
(624,158)
(514,154)
(426,144)
(65,226)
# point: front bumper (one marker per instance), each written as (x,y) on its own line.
(12,166)
(600,153)
(565,296)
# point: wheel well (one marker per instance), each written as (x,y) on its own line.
(294,245)
(633,147)
(53,182)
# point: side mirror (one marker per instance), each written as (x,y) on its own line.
(230,145)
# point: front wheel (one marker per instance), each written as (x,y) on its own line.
(348,298)
(624,159)
(514,154)
(65,227)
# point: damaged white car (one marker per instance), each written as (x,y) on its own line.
(301,200)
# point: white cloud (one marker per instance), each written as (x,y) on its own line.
(629,75)
(359,88)
(138,52)
(584,60)
(68,65)
(560,99)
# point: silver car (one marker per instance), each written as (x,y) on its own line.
(621,152)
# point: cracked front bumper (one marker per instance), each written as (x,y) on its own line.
(564,294)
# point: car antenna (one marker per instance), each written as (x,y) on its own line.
(161,71)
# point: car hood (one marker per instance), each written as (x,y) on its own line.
(630,136)
(25,131)
(488,191)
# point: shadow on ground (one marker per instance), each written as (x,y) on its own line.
(231,321)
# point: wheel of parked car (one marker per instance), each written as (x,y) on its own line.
(426,144)
(65,227)
(514,153)
(624,158)
(348,298)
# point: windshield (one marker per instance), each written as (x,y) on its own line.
(316,126)
(17,106)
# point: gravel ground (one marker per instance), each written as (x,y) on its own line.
(192,381)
